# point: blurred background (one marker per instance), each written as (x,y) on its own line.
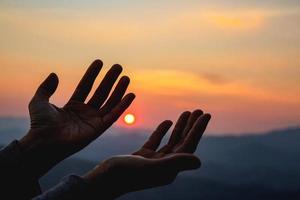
(238,60)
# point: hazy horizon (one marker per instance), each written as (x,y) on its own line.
(22,124)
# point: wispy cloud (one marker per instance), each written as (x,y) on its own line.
(91,27)
(178,83)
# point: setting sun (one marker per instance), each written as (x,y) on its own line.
(129,119)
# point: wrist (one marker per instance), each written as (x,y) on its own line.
(101,184)
(33,155)
(28,143)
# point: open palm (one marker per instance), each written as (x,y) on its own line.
(64,131)
(148,167)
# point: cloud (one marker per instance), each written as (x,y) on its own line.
(181,83)
(75,27)
(232,20)
(214,78)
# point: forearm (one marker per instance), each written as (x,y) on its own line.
(70,188)
(102,184)
(39,155)
(77,188)
(16,182)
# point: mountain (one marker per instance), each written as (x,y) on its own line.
(252,166)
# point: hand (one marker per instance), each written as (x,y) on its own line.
(56,133)
(148,167)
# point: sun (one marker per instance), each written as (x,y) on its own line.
(129,119)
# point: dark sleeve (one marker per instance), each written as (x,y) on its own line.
(70,188)
(16,182)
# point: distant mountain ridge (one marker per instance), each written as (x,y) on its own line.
(252,166)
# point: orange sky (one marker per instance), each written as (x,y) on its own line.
(238,61)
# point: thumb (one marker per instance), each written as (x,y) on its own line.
(47,88)
(181,162)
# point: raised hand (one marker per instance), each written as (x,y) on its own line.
(57,133)
(149,167)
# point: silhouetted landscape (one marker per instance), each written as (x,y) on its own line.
(252,166)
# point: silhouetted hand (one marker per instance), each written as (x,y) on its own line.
(57,133)
(148,167)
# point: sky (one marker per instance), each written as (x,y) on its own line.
(238,60)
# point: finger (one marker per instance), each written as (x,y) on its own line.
(105,86)
(192,118)
(191,141)
(47,88)
(176,133)
(179,127)
(156,137)
(118,110)
(86,83)
(179,162)
(116,96)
